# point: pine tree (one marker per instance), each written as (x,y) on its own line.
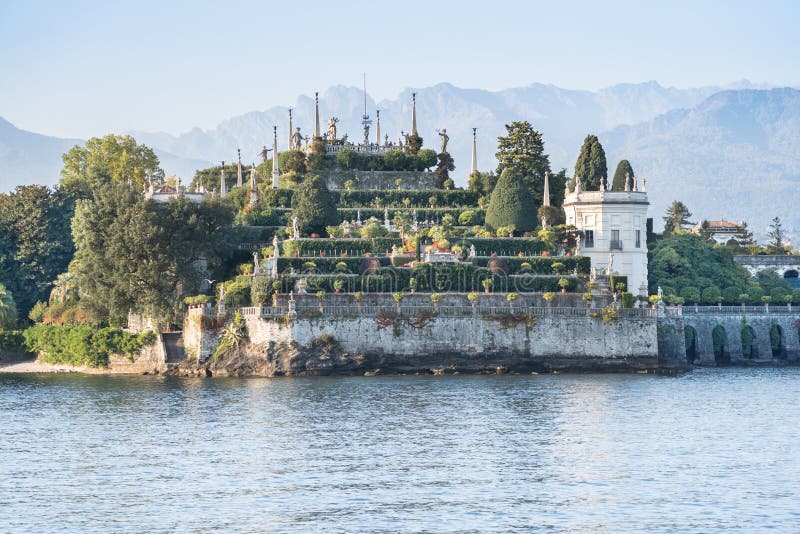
(591,165)
(624,169)
(522,151)
(776,236)
(676,218)
(512,203)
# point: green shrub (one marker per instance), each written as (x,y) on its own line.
(83,345)
(11,341)
(511,204)
(627,299)
(617,279)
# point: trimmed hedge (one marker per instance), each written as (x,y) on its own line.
(335,247)
(326,265)
(540,264)
(391,197)
(505,246)
(83,345)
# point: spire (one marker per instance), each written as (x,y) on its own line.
(275,173)
(378,127)
(289,140)
(546,196)
(414,114)
(239,167)
(223,188)
(316,114)
(253,186)
(474,152)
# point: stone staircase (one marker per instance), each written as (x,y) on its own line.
(173,347)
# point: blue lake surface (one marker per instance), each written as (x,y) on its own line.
(712,450)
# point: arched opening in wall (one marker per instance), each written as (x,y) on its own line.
(690,334)
(776,341)
(749,348)
(793,277)
(719,337)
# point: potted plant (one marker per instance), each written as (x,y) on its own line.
(487,284)
(320,296)
(654,300)
(587,298)
(766,299)
(435,298)
(338,284)
(398,298)
(563,283)
(743,298)
(548,297)
(557,266)
(473,299)
(511,297)
(788,300)
(358,295)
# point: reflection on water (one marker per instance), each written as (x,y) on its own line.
(711,450)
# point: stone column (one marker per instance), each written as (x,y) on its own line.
(378,127)
(474,168)
(316,115)
(546,196)
(414,114)
(275,172)
(289,142)
(223,188)
(239,167)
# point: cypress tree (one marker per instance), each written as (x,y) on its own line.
(623,168)
(512,202)
(591,165)
(313,206)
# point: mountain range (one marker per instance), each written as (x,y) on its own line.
(725,151)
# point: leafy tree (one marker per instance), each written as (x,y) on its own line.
(687,260)
(295,162)
(475,183)
(676,218)
(35,242)
(446,165)
(425,159)
(522,151)
(512,203)
(711,295)
(394,160)
(624,170)
(209,178)
(347,158)
(113,158)
(591,165)
(705,230)
(8,309)
(314,206)
(138,255)
(777,237)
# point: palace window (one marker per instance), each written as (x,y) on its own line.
(589,238)
(616,244)
(638,239)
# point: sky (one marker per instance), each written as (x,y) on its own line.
(87,68)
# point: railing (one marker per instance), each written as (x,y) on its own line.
(739,310)
(616,245)
(440,311)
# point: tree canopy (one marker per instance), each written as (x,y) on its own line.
(8,309)
(35,242)
(137,255)
(624,169)
(777,237)
(591,167)
(314,206)
(522,151)
(689,261)
(512,203)
(113,158)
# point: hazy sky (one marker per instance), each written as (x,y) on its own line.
(78,68)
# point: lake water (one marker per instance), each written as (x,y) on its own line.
(708,451)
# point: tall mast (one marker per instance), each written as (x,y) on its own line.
(365,118)
(289,140)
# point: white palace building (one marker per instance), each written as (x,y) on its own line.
(614,227)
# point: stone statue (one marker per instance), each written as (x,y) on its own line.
(577,244)
(297,140)
(295,230)
(593,274)
(358,217)
(394,250)
(366,134)
(578,185)
(472,252)
(275,246)
(263,154)
(445,139)
(627,181)
(332,128)
(602,184)
(566,188)
(256,262)
(660,292)
(611,264)
(301,286)
(346,229)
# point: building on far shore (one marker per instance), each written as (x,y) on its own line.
(720,231)
(614,230)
